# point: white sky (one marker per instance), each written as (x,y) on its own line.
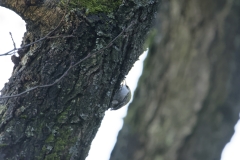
(112,122)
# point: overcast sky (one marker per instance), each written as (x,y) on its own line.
(112,123)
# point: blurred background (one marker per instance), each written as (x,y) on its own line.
(113,121)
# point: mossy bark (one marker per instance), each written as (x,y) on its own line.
(188,98)
(60,121)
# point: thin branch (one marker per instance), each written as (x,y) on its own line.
(14,45)
(70,67)
(60,36)
(27,45)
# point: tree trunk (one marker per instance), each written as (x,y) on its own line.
(60,121)
(188,98)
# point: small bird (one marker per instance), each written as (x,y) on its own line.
(121,97)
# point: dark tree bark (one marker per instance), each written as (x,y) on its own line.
(60,121)
(188,98)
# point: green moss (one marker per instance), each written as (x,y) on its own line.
(51,156)
(3,145)
(50,138)
(59,143)
(93,6)
(23,116)
(44,149)
(63,117)
(64,139)
(2,108)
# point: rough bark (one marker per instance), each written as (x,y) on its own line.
(60,121)
(188,98)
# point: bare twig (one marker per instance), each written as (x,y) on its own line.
(60,36)
(27,45)
(14,45)
(70,67)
